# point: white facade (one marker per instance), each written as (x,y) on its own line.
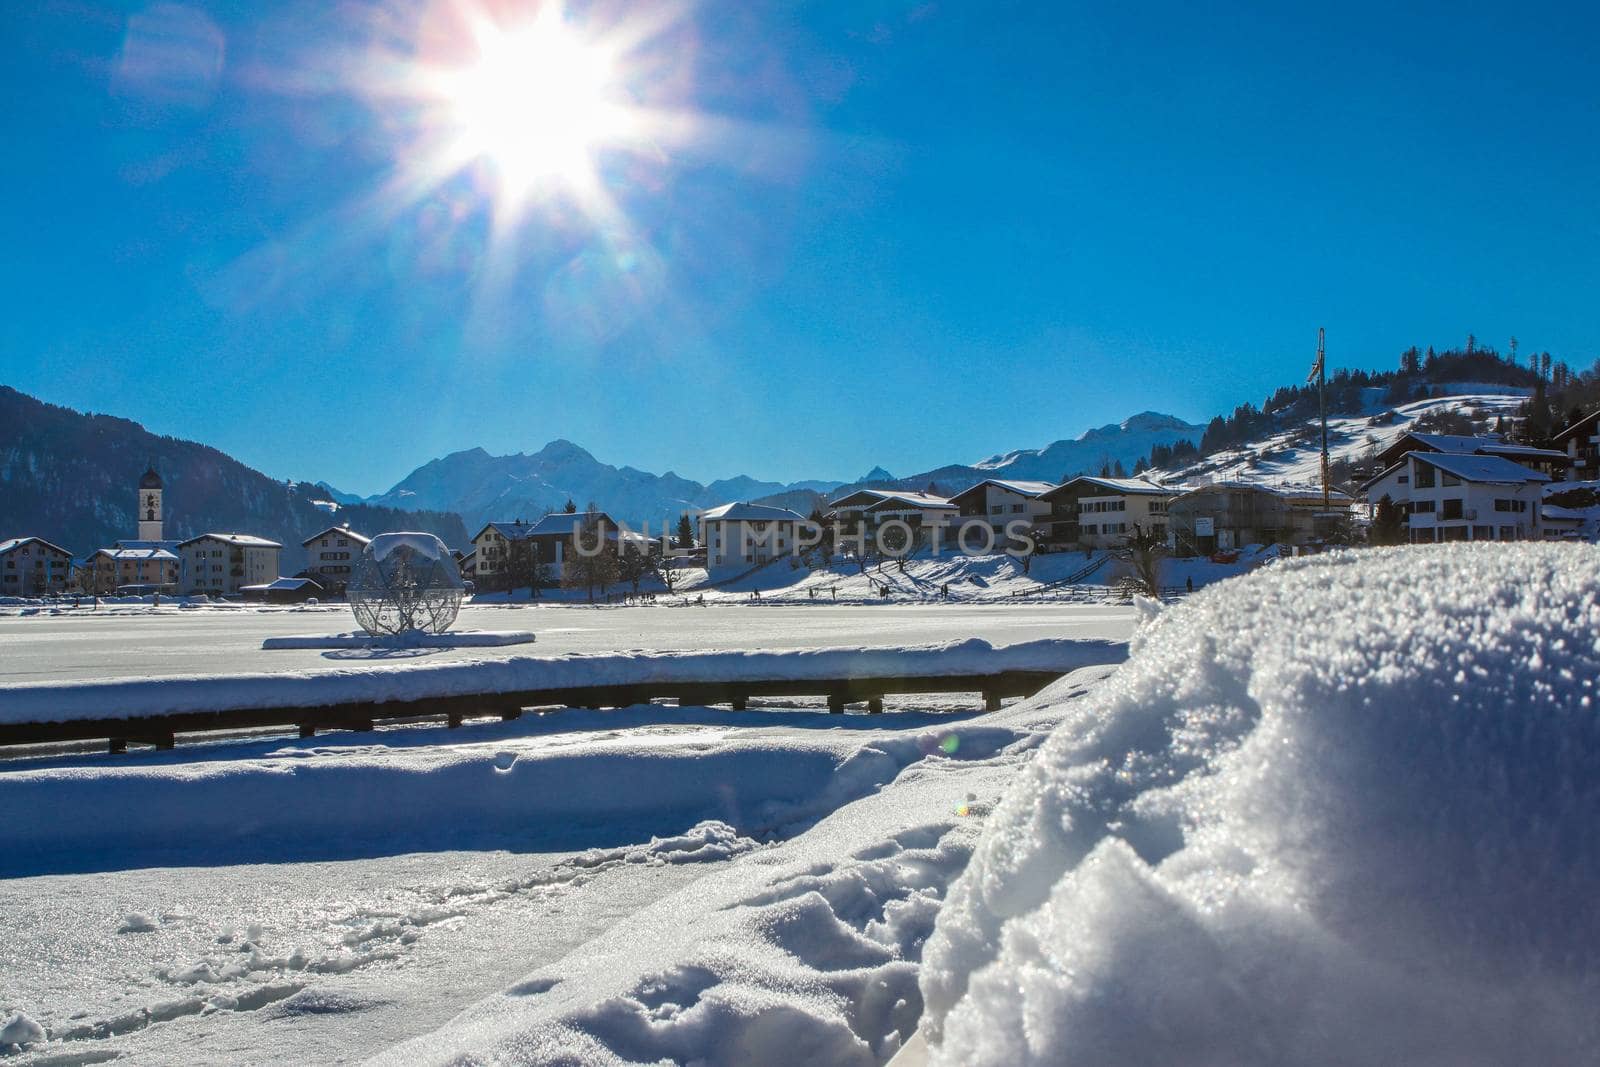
(1451,497)
(741,536)
(332,554)
(219,564)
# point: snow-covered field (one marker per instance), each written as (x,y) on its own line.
(1339,810)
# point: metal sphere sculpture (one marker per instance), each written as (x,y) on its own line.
(406,582)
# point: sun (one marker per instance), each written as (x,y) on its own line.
(538,103)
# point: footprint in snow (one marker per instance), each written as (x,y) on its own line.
(504,761)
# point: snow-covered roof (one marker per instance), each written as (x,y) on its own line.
(1495,470)
(337,531)
(1583,424)
(1021,488)
(1124,486)
(749,513)
(878,497)
(567,523)
(18,542)
(1480,443)
(137,554)
(238,539)
(511,531)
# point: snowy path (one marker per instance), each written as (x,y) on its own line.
(170,641)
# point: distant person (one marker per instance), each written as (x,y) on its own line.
(1189,582)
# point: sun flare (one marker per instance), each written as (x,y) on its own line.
(538,103)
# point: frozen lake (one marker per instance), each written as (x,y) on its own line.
(79,645)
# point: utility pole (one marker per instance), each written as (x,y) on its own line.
(1319,374)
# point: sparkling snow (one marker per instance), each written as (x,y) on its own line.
(1342,811)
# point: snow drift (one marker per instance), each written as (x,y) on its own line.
(1339,811)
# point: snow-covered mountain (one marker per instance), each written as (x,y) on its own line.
(1126,443)
(481,487)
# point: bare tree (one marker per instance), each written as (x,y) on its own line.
(1143,554)
(593,561)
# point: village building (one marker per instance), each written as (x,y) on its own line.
(741,536)
(1452,496)
(997,503)
(331,557)
(1580,443)
(861,513)
(1228,515)
(220,564)
(296,590)
(131,570)
(1090,512)
(32,566)
(551,541)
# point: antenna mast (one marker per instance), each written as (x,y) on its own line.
(1319,374)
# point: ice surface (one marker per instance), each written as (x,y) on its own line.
(1339,811)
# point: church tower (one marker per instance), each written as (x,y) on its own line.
(150,505)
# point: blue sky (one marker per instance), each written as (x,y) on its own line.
(900,233)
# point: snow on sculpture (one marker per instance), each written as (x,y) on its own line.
(406,582)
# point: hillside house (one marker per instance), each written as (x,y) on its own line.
(331,557)
(1090,512)
(865,510)
(1450,496)
(1228,515)
(32,566)
(219,564)
(741,536)
(551,540)
(998,502)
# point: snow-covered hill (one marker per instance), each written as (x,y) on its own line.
(1294,456)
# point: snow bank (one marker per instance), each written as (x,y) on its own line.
(380,683)
(1339,811)
(409,639)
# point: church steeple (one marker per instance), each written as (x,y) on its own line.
(149,511)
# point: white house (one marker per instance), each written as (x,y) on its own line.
(740,536)
(1447,496)
(998,502)
(1094,512)
(32,566)
(331,556)
(218,564)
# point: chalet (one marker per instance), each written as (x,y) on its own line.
(331,557)
(125,569)
(32,566)
(1089,512)
(1580,442)
(551,539)
(1547,460)
(218,564)
(865,510)
(999,502)
(1453,496)
(741,536)
(1229,515)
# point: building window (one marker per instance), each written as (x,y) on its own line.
(1424,476)
(1451,509)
